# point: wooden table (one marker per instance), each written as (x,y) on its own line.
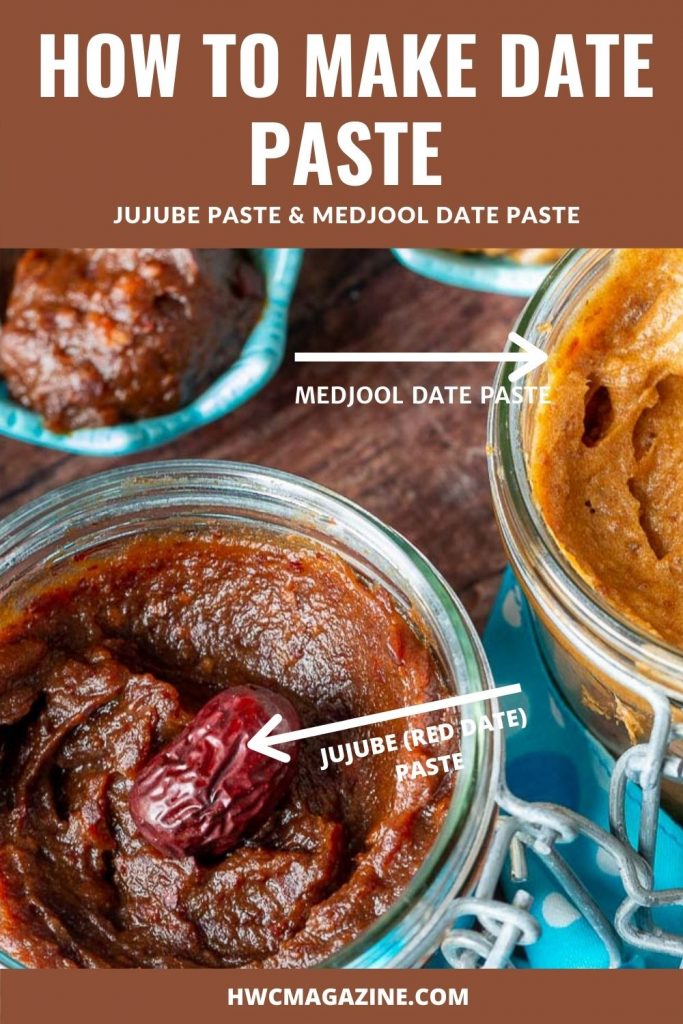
(421,469)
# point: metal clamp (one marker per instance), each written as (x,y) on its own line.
(499,928)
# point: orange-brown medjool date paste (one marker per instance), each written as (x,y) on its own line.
(108,662)
(607,459)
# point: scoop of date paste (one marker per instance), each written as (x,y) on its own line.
(96,337)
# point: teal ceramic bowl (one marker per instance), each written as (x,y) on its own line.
(469,270)
(258,362)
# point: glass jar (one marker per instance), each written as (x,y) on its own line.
(94,513)
(591,650)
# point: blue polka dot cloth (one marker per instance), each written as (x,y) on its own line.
(555,759)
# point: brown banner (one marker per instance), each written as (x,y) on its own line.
(69,164)
(480,997)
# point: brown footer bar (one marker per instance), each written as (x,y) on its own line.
(192,997)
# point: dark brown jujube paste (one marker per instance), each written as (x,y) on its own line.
(95,337)
(108,661)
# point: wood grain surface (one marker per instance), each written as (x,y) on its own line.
(422,469)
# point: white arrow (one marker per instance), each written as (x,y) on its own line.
(529,357)
(265,740)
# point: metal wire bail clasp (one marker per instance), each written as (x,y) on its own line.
(498,928)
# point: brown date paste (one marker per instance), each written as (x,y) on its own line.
(96,337)
(607,458)
(108,661)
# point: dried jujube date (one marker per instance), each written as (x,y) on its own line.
(207,789)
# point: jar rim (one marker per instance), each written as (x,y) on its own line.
(536,554)
(181,484)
